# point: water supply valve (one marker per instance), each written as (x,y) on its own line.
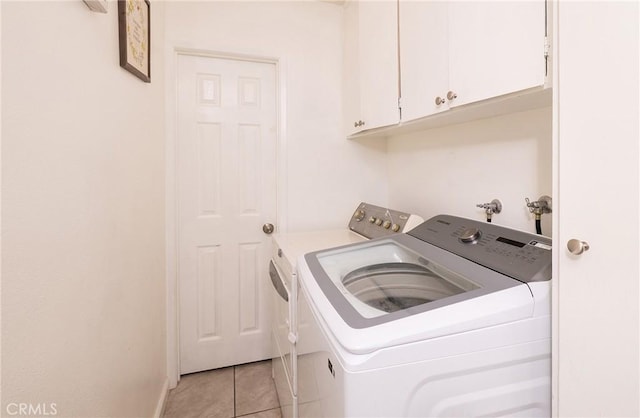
(495,206)
(540,206)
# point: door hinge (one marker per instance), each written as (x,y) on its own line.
(547,47)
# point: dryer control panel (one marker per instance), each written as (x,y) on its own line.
(373,221)
(523,256)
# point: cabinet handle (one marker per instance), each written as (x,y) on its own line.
(577,247)
(451,95)
(439,101)
(358,124)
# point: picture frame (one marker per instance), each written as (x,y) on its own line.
(134,30)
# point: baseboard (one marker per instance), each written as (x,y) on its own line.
(162,400)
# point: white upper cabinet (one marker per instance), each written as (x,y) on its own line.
(495,48)
(454,53)
(424,57)
(376,74)
(351,64)
(406,60)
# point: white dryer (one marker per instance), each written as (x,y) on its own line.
(451,319)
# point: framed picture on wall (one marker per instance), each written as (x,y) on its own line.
(134,27)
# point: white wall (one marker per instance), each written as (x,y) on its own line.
(326,175)
(451,169)
(83,322)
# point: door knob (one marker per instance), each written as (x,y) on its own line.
(577,247)
(267,228)
(451,95)
(439,101)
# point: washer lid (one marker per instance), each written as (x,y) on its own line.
(402,289)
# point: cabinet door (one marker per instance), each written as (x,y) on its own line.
(596,146)
(424,58)
(495,48)
(351,70)
(378,50)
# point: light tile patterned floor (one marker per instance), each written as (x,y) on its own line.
(244,391)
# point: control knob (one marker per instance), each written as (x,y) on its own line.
(378,221)
(395,227)
(386,224)
(470,235)
(372,219)
(359,215)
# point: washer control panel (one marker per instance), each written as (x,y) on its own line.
(518,254)
(373,221)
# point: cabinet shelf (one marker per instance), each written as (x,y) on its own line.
(534,98)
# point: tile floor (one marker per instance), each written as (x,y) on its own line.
(244,391)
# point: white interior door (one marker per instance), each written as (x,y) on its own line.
(226,174)
(596,134)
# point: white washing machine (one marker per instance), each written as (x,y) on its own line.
(368,221)
(449,320)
